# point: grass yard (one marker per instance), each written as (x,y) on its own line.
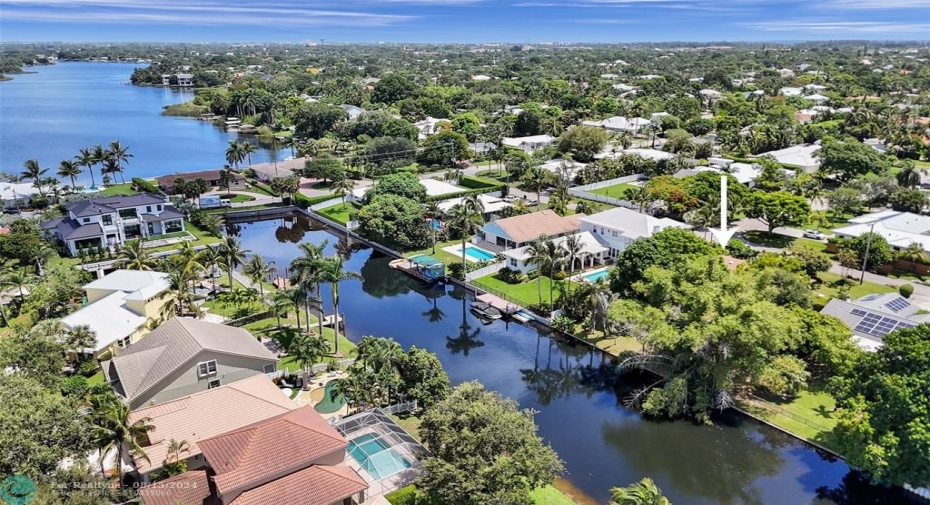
(97,378)
(762,238)
(117,189)
(525,294)
(615,191)
(203,238)
(549,495)
(241,198)
(409,423)
(443,256)
(809,415)
(269,328)
(831,284)
(340,213)
(613,345)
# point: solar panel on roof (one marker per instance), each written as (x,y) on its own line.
(897,304)
(878,325)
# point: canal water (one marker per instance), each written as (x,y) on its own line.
(58,109)
(576,394)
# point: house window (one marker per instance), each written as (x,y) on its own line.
(513,262)
(173,226)
(107,219)
(614,233)
(269,368)
(127,213)
(148,208)
(123,343)
(213,383)
(158,207)
(86,219)
(205,368)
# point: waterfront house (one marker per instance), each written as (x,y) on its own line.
(14,195)
(295,457)
(873,316)
(213,178)
(111,221)
(519,231)
(184,356)
(617,228)
(119,308)
(592,253)
(528,144)
(205,415)
(185,80)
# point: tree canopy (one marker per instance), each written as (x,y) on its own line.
(664,249)
(394,221)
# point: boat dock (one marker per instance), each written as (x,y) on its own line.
(420,268)
(506,308)
(328,320)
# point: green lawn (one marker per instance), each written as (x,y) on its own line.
(241,198)
(203,238)
(485,163)
(922,164)
(762,238)
(831,284)
(95,379)
(525,294)
(409,423)
(810,415)
(549,495)
(443,256)
(117,189)
(340,213)
(269,328)
(615,191)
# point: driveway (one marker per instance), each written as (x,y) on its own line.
(257,198)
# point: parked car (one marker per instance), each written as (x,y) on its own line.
(11,210)
(814,234)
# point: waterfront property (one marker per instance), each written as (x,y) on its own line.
(519,231)
(473,253)
(874,316)
(382,452)
(592,253)
(112,221)
(184,356)
(119,308)
(14,195)
(617,228)
(213,177)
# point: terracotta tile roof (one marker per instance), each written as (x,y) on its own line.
(530,226)
(188,488)
(317,485)
(253,455)
(208,414)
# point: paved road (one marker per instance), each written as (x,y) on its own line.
(258,199)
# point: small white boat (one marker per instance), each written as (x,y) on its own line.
(485,311)
(522,316)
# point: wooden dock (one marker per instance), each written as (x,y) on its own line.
(506,308)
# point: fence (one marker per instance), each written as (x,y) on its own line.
(584,193)
(493,268)
(400,407)
(325,204)
(251,318)
(611,182)
(315,369)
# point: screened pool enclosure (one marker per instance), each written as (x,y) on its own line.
(379,445)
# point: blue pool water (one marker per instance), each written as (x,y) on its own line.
(595,276)
(478,253)
(376,456)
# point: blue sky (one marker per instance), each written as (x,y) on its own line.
(462,20)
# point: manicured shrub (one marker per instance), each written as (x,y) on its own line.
(906,290)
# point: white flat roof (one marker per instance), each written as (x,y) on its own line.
(437,188)
(108,317)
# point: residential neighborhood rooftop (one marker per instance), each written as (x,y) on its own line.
(530,226)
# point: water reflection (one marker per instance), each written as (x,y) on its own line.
(467,339)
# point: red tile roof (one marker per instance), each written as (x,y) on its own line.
(317,485)
(188,488)
(251,456)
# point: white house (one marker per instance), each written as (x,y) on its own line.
(119,307)
(530,143)
(818,98)
(618,228)
(900,229)
(491,204)
(649,154)
(185,80)
(436,187)
(428,126)
(16,194)
(592,253)
(620,123)
(785,73)
(481,77)
(111,221)
(790,91)
(802,156)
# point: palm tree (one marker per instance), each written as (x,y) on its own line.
(79,338)
(234,153)
(295,298)
(247,150)
(536,254)
(333,271)
(342,187)
(290,142)
(914,253)
(639,196)
(211,258)
(233,254)
(382,354)
(68,168)
(909,177)
(536,179)
(178,280)
(644,492)
(99,155)
(305,275)
(258,270)
(175,449)
(18,279)
(35,172)
(466,217)
(113,428)
(573,249)
(120,154)
(279,305)
(433,213)
(85,158)
(134,257)
(110,166)
(307,350)
(556,257)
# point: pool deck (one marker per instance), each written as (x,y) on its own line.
(581,277)
(456,250)
(319,382)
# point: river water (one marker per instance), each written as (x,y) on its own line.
(50,114)
(576,395)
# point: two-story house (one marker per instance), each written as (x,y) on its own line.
(519,231)
(184,356)
(111,221)
(617,228)
(119,307)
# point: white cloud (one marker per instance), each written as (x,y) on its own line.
(838,26)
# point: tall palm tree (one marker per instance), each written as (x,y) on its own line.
(536,179)
(573,249)
(290,142)
(556,258)
(305,276)
(279,305)
(113,429)
(537,254)
(85,158)
(35,172)
(233,254)
(79,338)
(234,153)
(639,196)
(247,150)
(178,289)
(120,154)
(68,168)
(343,187)
(99,155)
(295,298)
(135,257)
(16,278)
(308,350)
(433,213)
(466,217)
(258,270)
(644,492)
(109,167)
(333,271)
(226,179)
(211,258)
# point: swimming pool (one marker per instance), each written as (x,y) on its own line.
(595,276)
(328,404)
(478,253)
(376,456)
